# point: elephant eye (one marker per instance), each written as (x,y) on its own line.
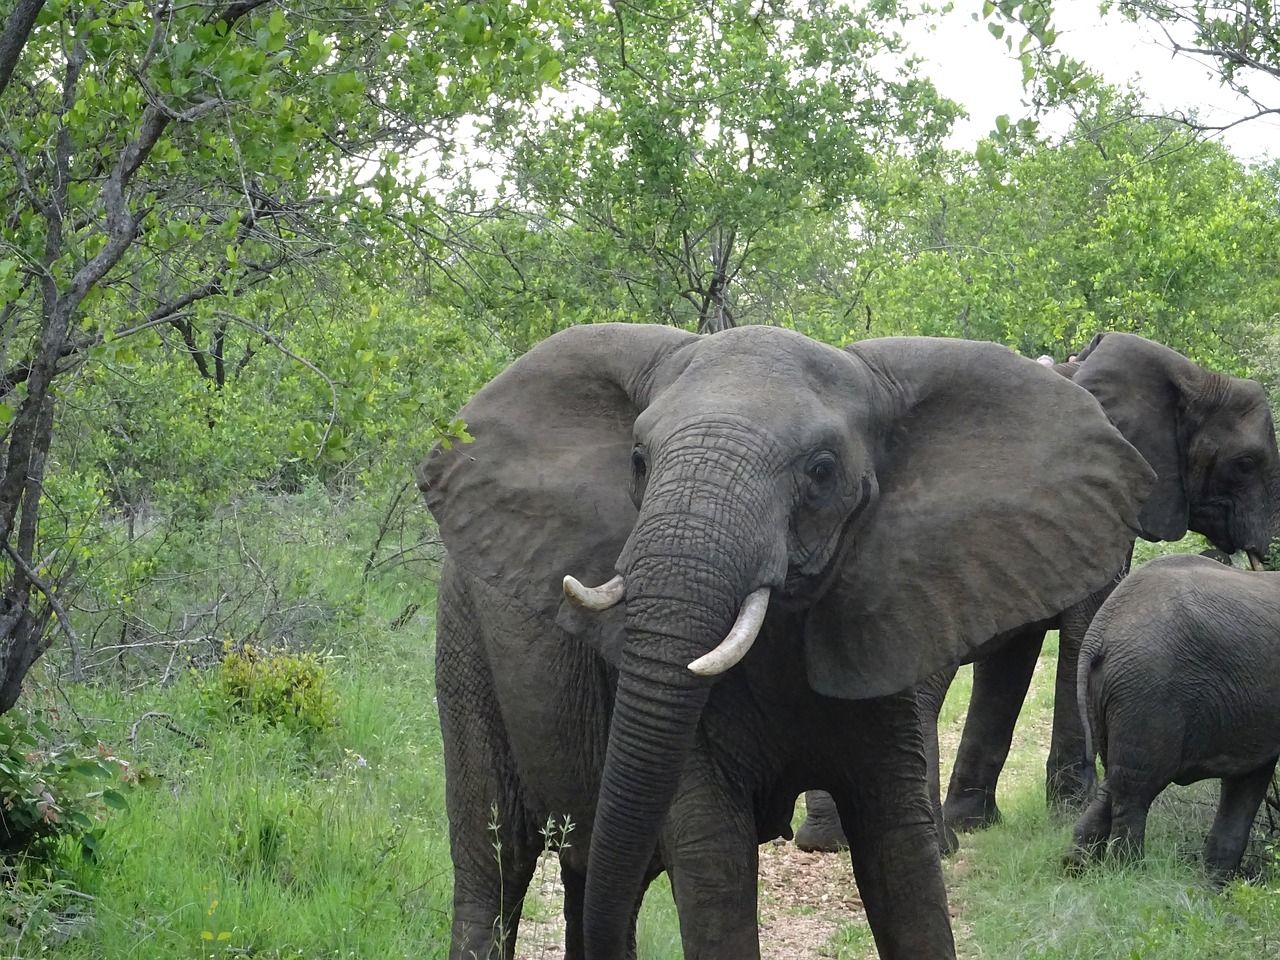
(1242,466)
(638,464)
(822,468)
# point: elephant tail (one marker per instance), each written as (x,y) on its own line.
(1091,656)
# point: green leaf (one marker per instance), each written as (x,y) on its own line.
(114,800)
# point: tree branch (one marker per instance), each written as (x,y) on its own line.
(64,622)
(17,28)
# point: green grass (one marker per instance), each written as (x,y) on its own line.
(333,847)
(258,842)
(1016,901)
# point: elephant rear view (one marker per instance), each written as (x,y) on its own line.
(1179,681)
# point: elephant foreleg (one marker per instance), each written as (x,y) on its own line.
(1000,684)
(884,807)
(709,847)
(491,841)
(1068,773)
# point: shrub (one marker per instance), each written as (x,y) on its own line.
(291,689)
(47,791)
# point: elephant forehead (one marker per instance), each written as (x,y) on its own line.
(771,352)
(771,378)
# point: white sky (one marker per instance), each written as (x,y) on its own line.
(972,67)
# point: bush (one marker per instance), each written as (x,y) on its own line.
(291,689)
(47,791)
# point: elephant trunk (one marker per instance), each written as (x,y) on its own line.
(687,578)
(655,721)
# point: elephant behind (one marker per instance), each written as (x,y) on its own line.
(791,535)
(1211,440)
(1179,681)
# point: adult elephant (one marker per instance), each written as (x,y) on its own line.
(867,514)
(1212,443)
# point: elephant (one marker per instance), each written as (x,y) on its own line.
(1219,556)
(1178,681)
(1211,440)
(789,536)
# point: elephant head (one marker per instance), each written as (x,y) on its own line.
(1209,437)
(903,498)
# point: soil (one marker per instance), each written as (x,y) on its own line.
(808,904)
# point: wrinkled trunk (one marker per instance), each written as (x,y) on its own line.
(655,722)
(685,581)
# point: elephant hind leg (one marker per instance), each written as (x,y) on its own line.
(1130,804)
(1091,831)
(1237,806)
(930,696)
(821,831)
(1000,684)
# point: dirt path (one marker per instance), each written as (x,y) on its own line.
(809,904)
(809,907)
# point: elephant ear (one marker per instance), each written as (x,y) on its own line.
(1005,496)
(1140,386)
(542,491)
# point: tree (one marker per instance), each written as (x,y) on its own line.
(702,153)
(1123,225)
(165,161)
(1237,40)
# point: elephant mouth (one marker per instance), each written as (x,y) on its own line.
(1214,520)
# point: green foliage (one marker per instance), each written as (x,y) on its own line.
(51,789)
(323,850)
(1125,225)
(175,177)
(714,144)
(290,688)
(1016,899)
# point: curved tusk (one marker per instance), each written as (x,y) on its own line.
(1255,560)
(735,646)
(595,598)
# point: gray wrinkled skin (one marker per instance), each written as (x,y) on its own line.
(1178,683)
(899,499)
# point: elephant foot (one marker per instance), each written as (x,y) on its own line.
(1077,859)
(972,811)
(1067,790)
(817,837)
(821,831)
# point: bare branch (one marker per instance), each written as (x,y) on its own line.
(64,622)
(165,721)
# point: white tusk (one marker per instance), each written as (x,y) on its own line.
(595,598)
(735,646)
(1255,561)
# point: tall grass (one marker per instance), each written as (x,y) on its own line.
(262,842)
(244,839)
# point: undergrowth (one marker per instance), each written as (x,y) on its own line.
(289,823)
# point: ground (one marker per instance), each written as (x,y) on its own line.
(809,904)
(809,907)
